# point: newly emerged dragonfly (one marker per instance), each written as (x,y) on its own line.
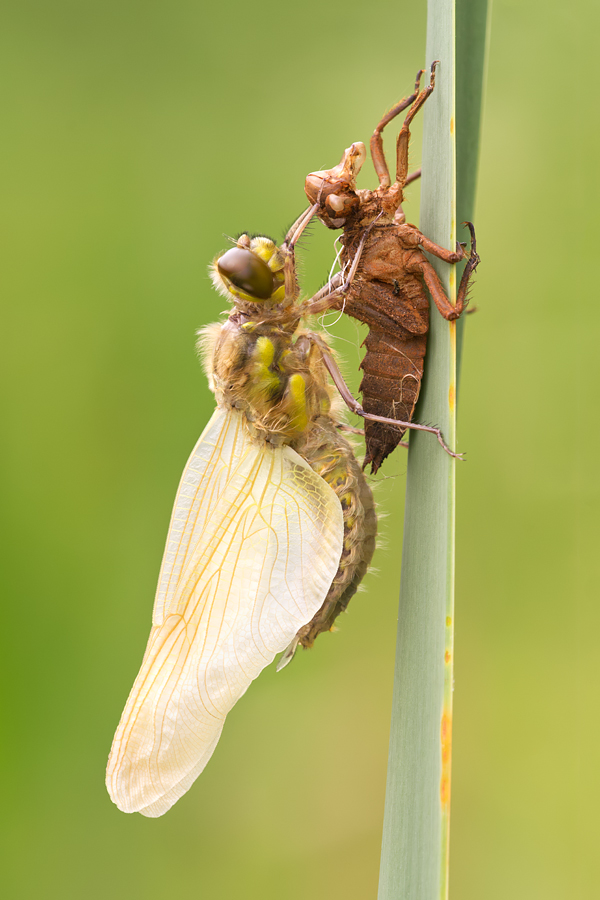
(272,530)
(388,293)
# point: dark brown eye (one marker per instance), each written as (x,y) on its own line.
(247,272)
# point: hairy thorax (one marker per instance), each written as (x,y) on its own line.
(273,373)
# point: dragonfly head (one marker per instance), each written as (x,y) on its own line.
(252,271)
(335,189)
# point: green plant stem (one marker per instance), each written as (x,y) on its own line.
(415,831)
(415,846)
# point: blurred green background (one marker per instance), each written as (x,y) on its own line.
(137,135)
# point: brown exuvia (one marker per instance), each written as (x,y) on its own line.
(388,291)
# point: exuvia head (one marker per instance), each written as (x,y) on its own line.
(335,189)
(252,271)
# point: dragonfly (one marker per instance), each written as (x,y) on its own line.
(272,529)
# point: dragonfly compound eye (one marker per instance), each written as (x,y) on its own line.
(247,272)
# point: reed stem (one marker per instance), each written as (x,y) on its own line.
(415,846)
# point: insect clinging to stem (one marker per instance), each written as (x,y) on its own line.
(272,530)
(388,290)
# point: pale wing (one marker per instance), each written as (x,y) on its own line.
(254,543)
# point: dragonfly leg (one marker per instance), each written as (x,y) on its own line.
(355,407)
(299,225)
(377,154)
(413,177)
(404,135)
(421,266)
(331,294)
(341,426)
(472,263)
(289,268)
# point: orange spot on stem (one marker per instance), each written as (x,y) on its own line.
(447,656)
(452,125)
(451,397)
(448,621)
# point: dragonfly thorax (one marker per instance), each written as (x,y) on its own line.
(275,376)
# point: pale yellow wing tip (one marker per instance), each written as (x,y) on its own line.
(149,796)
(153,811)
(128,804)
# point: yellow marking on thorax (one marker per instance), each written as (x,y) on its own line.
(296,392)
(265,351)
(264,383)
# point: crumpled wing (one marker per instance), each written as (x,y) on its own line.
(254,543)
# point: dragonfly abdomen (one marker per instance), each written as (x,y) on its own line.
(393,370)
(331,456)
